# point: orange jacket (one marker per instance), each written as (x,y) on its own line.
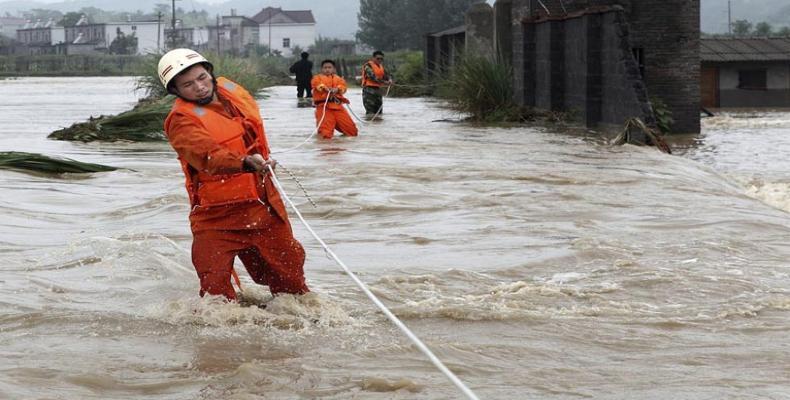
(378,71)
(211,142)
(322,83)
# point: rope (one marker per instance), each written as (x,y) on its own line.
(315,131)
(545,8)
(377,112)
(417,342)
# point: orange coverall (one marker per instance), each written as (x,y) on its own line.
(337,117)
(234,212)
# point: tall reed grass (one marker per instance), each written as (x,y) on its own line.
(481,87)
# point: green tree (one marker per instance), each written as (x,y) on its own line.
(70,19)
(323,45)
(741,27)
(402,24)
(123,44)
(784,31)
(763,29)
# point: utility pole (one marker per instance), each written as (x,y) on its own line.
(158,32)
(173,35)
(270,31)
(729,16)
(218,37)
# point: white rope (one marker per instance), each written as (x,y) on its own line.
(317,128)
(417,342)
(377,112)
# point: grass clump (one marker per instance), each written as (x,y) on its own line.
(143,123)
(410,79)
(663,114)
(32,162)
(481,87)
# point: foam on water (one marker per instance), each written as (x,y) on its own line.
(776,194)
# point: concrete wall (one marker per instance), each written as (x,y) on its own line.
(520,10)
(584,65)
(669,33)
(302,35)
(480,30)
(624,93)
(777,82)
(666,31)
(503,30)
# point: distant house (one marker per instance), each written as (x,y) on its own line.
(745,72)
(85,37)
(194,38)
(283,30)
(9,26)
(40,38)
(235,34)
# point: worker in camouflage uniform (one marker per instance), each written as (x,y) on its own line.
(374,78)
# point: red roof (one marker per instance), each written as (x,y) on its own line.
(287,16)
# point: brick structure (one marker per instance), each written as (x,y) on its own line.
(600,59)
(480,30)
(662,35)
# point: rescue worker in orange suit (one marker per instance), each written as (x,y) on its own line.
(215,127)
(374,78)
(328,91)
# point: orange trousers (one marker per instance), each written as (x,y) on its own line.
(336,119)
(272,257)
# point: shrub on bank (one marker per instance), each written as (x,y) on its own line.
(481,87)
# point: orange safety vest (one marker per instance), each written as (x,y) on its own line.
(378,71)
(321,96)
(207,190)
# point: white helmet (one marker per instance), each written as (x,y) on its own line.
(176,61)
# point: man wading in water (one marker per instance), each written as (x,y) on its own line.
(304,72)
(216,128)
(374,77)
(328,97)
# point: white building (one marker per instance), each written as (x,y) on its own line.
(150,34)
(9,26)
(40,37)
(282,30)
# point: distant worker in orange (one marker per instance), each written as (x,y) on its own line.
(328,91)
(374,78)
(215,127)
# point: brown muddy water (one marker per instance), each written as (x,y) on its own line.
(538,264)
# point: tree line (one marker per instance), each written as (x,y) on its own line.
(745,28)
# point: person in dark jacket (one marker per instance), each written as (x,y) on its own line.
(304,73)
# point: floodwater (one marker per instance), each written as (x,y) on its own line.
(536,263)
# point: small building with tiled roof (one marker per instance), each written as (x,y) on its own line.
(284,30)
(749,72)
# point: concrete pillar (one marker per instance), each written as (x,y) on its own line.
(503,30)
(519,10)
(480,30)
